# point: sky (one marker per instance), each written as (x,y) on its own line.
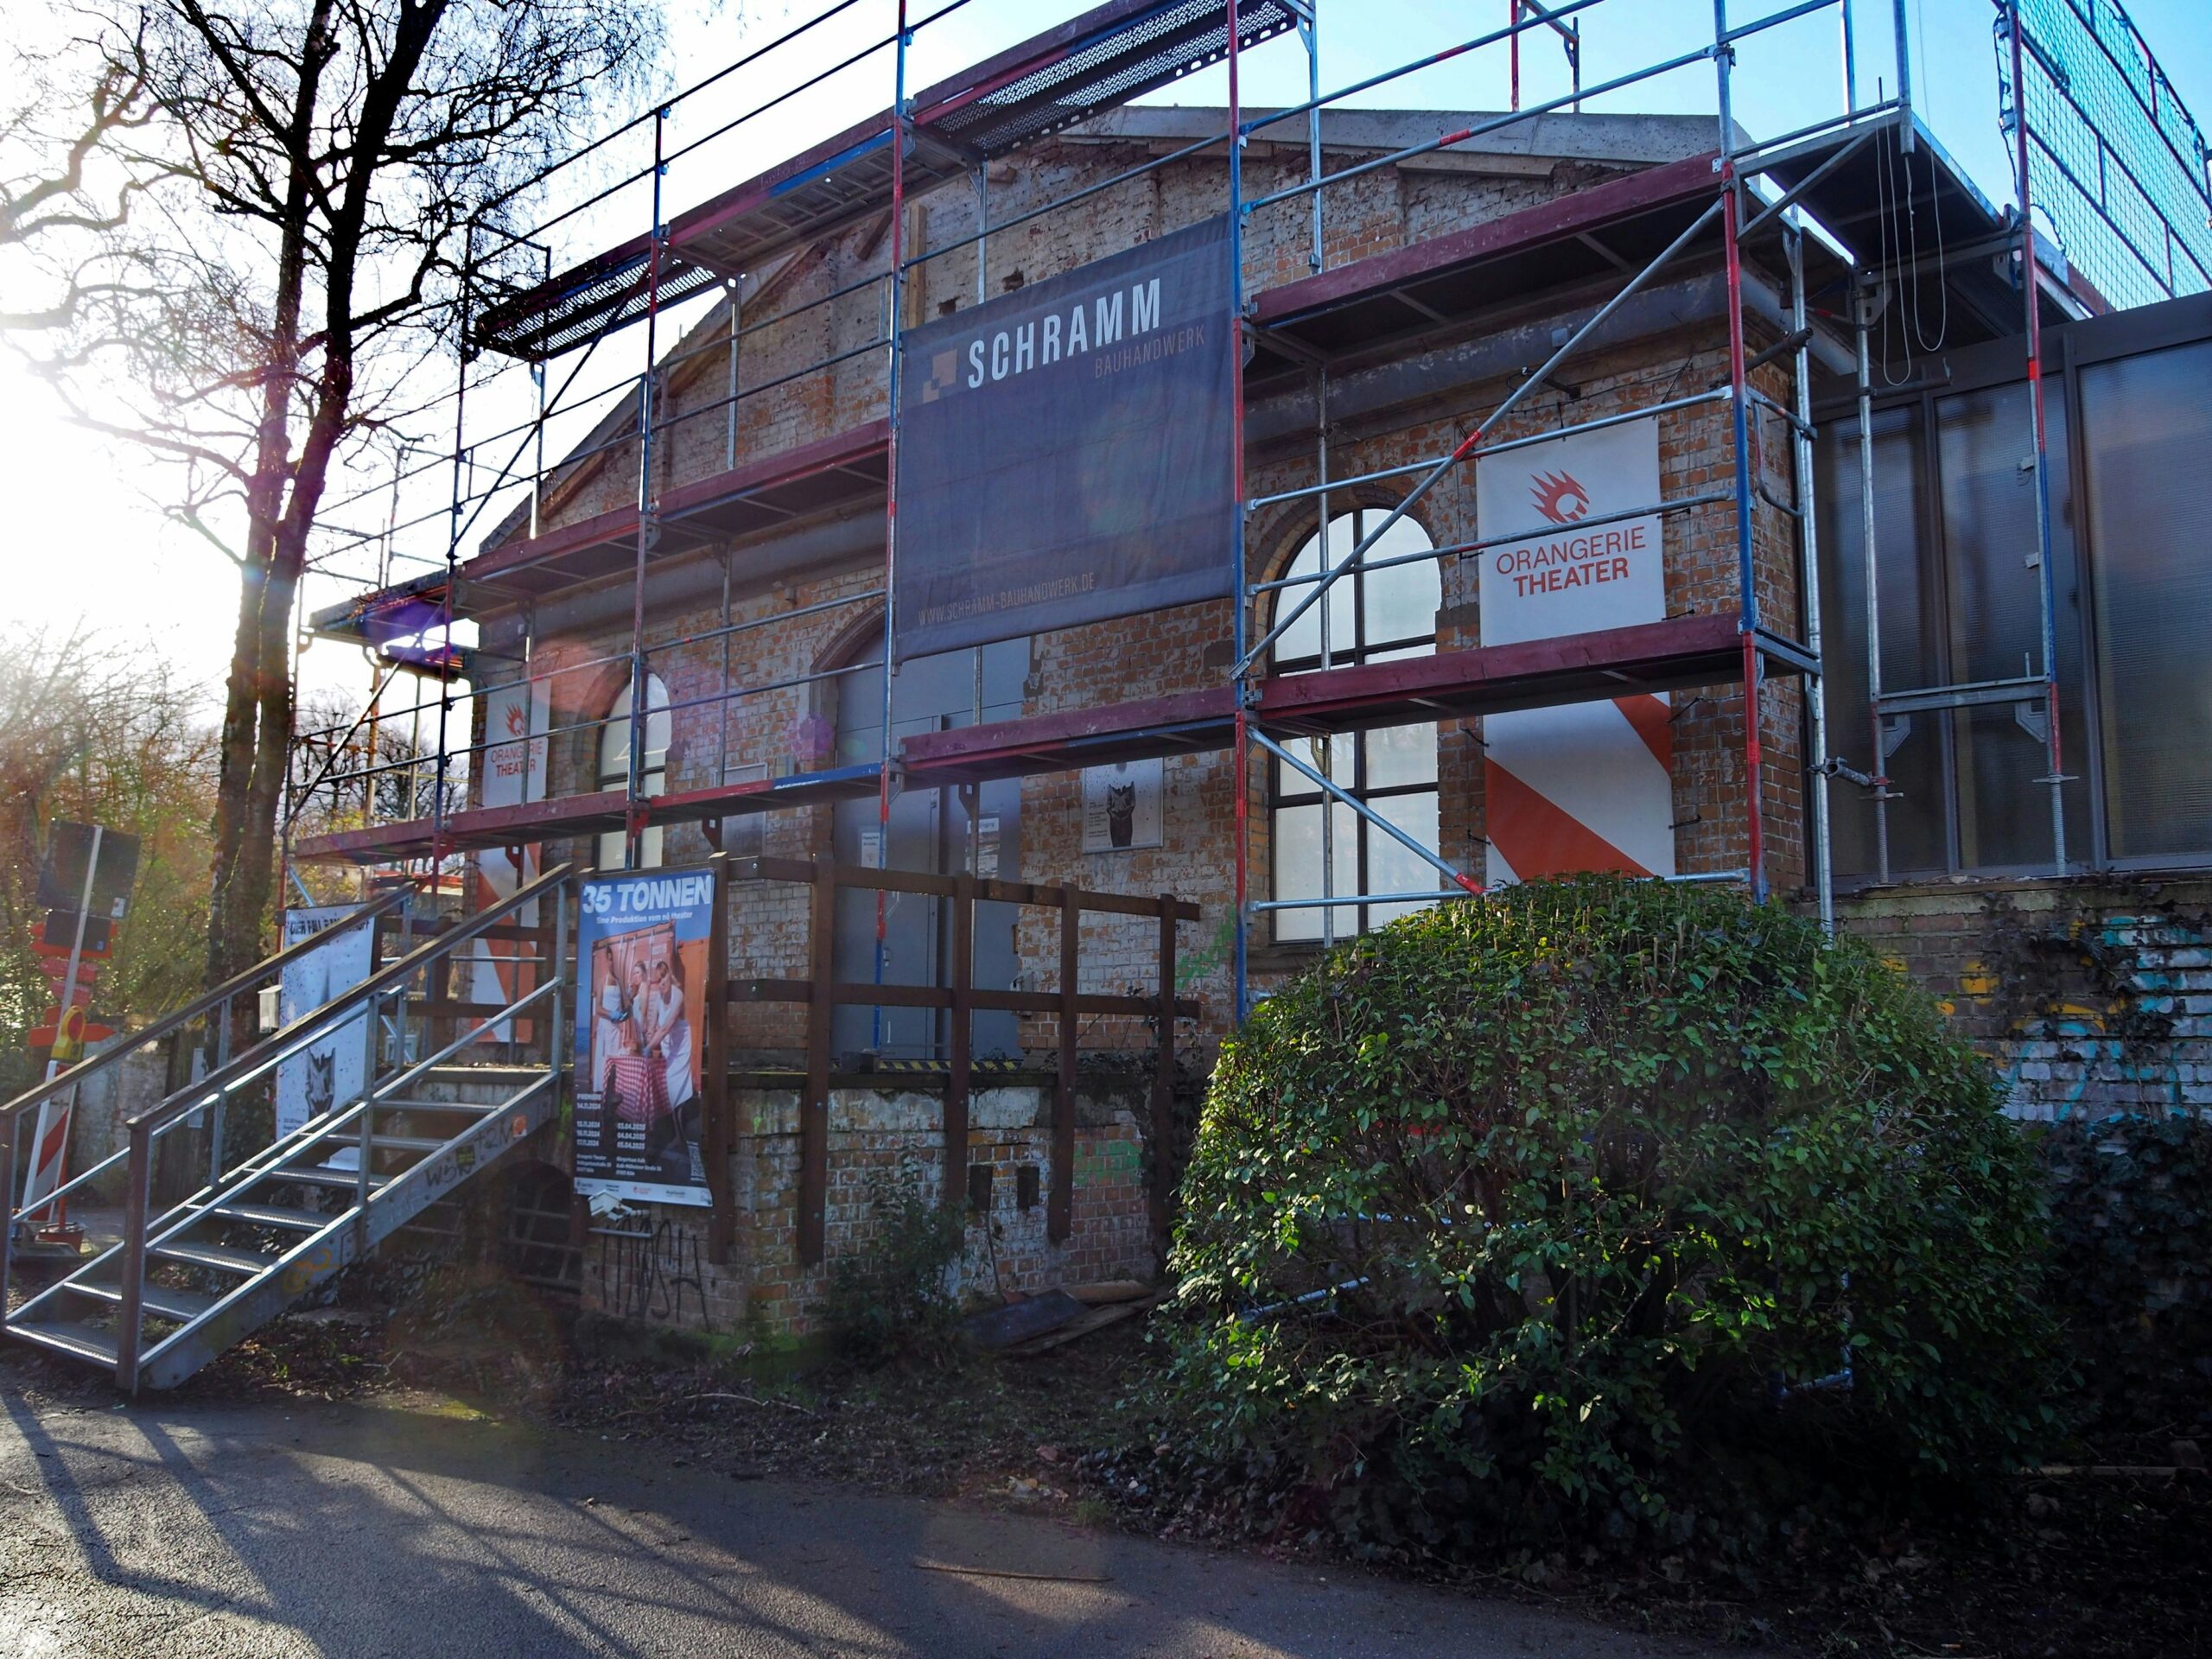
(83,542)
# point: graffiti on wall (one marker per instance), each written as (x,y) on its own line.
(1107,1163)
(2095,1011)
(657,1274)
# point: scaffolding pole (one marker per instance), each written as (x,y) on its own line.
(899,144)
(634,809)
(1809,584)
(1241,766)
(2046,585)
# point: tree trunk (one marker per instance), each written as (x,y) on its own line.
(245,799)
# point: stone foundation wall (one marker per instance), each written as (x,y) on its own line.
(651,1262)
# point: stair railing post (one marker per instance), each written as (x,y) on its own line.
(556,967)
(137,1192)
(14,1127)
(370,1025)
(215,1114)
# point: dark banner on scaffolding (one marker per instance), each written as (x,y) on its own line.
(1063,451)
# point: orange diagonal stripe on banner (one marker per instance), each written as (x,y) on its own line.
(1537,838)
(1653,722)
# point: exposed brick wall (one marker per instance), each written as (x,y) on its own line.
(2092,995)
(1144,656)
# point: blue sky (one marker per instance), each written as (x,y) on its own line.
(126,570)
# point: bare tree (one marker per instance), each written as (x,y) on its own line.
(351,769)
(95,728)
(70,108)
(343,156)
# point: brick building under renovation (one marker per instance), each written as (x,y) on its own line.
(1578,491)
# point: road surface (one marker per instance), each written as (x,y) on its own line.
(415,1528)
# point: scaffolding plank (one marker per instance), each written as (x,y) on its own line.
(1077,737)
(833,472)
(1094,62)
(1680,652)
(1414,289)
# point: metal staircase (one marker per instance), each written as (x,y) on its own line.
(187,1283)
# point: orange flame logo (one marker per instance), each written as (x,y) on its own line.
(517,721)
(1559,497)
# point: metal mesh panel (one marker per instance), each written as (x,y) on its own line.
(2119,169)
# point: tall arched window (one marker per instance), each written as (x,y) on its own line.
(1367,615)
(614,768)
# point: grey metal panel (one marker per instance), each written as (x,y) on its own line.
(930,833)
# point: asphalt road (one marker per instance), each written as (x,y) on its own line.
(413,1529)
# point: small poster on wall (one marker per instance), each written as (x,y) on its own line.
(642,937)
(1122,805)
(329,1073)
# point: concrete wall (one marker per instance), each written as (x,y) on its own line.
(133,1084)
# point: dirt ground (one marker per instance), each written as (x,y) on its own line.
(2111,1557)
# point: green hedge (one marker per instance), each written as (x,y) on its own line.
(1547,1210)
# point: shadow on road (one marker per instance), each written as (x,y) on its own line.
(421,1529)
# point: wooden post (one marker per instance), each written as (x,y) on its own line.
(1059,1203)
(964,1034)
(1166,1149)
(721,1226)
(814,1101)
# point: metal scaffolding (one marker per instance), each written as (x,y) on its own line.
(735,248)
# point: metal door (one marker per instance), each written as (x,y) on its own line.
(933,831)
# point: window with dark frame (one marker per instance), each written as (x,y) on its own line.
(1955,539)
(1374,613)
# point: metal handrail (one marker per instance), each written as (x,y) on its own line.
(206,1003)
(212,1089)
(259,1059)
(259,1165)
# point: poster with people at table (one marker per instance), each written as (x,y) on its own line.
(642,937)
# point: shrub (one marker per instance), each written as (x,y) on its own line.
(1515,1215)
(889,1301)
(2132,1272)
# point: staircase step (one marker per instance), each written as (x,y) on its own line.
(274,1215)
(320,1175)
(160,1300)
(407,1143)
(214,1256)
(66,1336)
(473,1107)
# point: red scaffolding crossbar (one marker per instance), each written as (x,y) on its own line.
(1682,652)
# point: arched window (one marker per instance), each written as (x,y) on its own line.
(614,768)
(1367,615)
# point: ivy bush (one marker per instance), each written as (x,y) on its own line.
(1544,1212)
